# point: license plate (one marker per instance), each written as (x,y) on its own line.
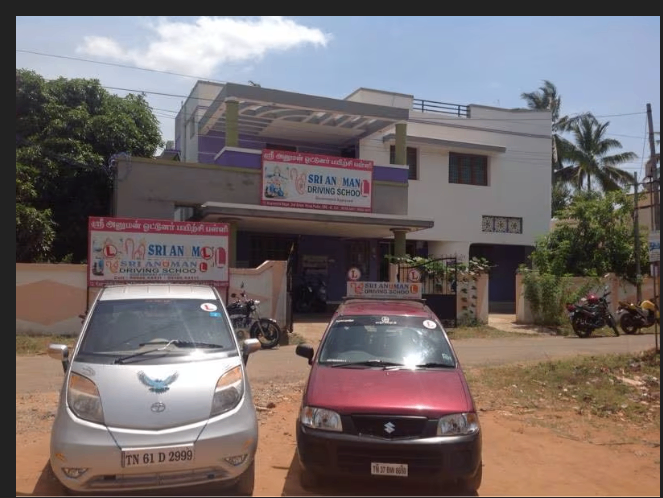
(389,469)
(146,457)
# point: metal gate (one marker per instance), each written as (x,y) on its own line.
(439,279)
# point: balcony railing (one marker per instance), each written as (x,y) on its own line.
(422,105)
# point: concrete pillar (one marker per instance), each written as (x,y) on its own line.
(399,241)
(232,244)
(401,143)
(232,123)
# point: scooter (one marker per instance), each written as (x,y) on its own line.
(633,317)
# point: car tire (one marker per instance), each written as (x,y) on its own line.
(473,484)
(308,479)
(246,482)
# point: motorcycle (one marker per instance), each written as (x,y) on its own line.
(310,295)
(592,313)
(633,317)
(245,316)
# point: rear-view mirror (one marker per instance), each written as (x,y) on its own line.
(305,351)
(60,352)
(249,346)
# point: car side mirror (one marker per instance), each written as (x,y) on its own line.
(249,346)
(59,352)
(305,351)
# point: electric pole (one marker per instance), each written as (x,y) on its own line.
(636,234)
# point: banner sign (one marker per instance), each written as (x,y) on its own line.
(313,181)
(131,250)
(654,246)
(384,290)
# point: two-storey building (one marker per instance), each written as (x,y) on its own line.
(336,184)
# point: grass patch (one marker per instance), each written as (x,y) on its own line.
(480,332)
(28,344)
(294,339)
(566,330)
(618,387)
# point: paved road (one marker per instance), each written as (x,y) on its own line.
(42,374)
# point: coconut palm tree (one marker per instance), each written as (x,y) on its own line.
(588,159)
(547,98)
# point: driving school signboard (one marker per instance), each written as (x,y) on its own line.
(130,250)
(313,181)
(384,290)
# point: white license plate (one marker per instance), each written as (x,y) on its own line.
(147,457)
(389,469)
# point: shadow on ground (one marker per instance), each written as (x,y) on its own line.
(361,487)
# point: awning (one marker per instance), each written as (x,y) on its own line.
(294,116)
(448,144)
(309,222)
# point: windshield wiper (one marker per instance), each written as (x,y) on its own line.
(433,364)
(369,363)
(122,359)
(185,344)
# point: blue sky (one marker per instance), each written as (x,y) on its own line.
(606,65)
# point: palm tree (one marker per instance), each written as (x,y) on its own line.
(588,159)
(547,98)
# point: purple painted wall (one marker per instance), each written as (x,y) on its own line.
(209,146)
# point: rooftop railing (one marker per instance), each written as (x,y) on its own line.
(422,105)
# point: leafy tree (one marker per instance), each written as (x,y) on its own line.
(67,130)
(590,160)
(34,228)
(596,238)
(548,98)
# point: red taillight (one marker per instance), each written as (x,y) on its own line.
(570,307)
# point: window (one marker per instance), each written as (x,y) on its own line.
(468,169)
(501,224)
(411,160)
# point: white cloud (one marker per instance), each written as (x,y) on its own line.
(199,48)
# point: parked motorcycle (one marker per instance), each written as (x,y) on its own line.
(310,294)
(633,317)
(590,314)
(245,317)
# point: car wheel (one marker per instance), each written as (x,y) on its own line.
(246,482)
(308,479)
(473,484)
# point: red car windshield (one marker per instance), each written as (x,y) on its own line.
(399,340)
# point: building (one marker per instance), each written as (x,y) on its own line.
(418,177)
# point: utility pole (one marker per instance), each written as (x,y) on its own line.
(636,234)
(654,186)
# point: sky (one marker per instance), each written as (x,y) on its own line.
(609,66)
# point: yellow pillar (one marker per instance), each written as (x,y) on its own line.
(232,123)
(401,143)
(399,241)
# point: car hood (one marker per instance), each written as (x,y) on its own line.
(431,392)
(130,392)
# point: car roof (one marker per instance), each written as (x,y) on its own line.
(409,307)
(157,291)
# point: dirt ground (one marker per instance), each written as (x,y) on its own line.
(520,458)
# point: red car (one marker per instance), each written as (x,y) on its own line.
(386,397)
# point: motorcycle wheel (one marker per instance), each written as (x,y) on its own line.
(267,332)
(628,325)
(583,334)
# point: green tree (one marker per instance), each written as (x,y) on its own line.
(35,230)
(596,237)
(590,160)
(548,98)
(67,131)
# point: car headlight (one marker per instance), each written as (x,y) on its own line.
(320,418)
(228,392)
(84,400)
(458,424)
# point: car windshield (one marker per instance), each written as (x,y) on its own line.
(118,327)
(387,340)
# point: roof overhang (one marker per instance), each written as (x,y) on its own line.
(294,116)
(447,144)
(308,222)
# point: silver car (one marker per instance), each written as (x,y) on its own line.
(155,394)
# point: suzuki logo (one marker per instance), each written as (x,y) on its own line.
(158,407)
(389,427)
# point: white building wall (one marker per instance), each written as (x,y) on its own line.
(518,179)
(187,119)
